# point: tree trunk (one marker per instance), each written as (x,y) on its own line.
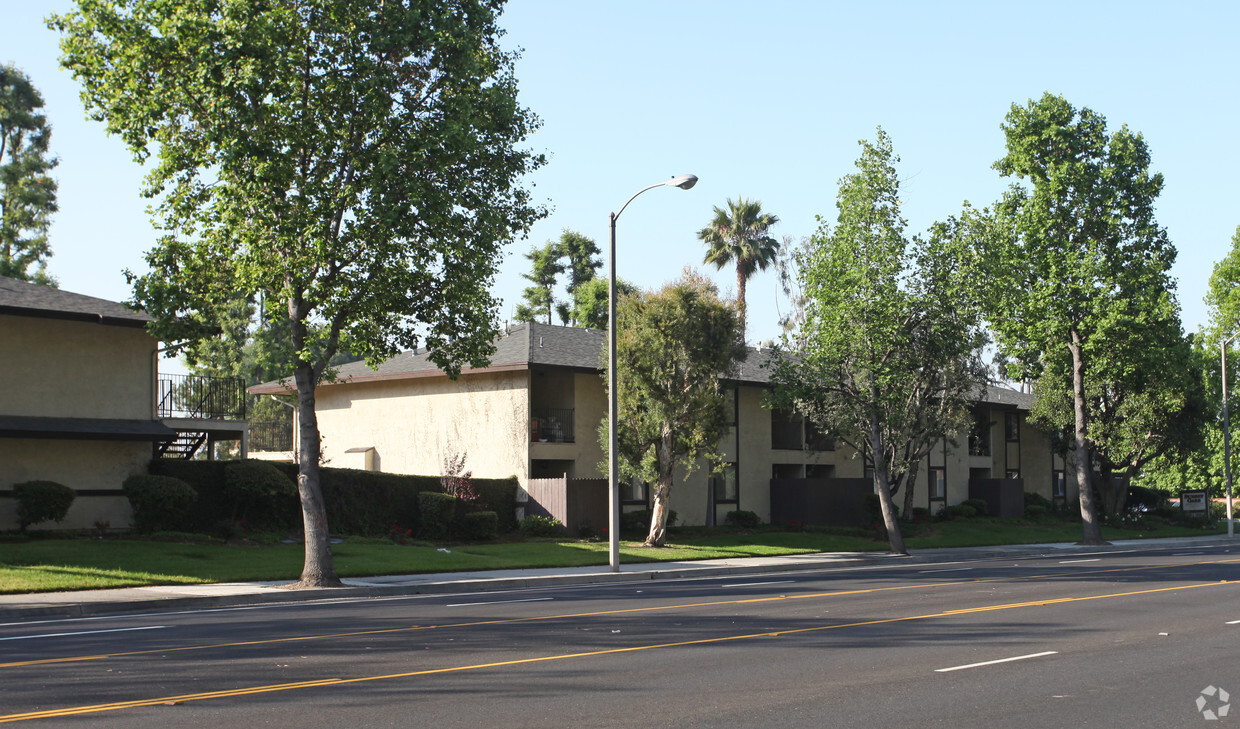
(894,538)
(662,494)
(909,480)
(1091,532)
(319,569)
(741,281)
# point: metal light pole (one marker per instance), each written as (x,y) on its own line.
(1222,348)
(684,182)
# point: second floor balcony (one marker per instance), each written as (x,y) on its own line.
(200,397)
(551,425)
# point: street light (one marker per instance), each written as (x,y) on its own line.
(684,182)
(1222,348)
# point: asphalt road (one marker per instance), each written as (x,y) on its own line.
(1114,639)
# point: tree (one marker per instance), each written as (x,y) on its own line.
(590,302)
(584,260)
(352,161)
(888,356)
(739,234)
(539,298)
(673,347)
(27,190)
(1080,269)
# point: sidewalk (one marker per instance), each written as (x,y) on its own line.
(164,598)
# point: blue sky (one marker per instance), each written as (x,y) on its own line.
(766,101)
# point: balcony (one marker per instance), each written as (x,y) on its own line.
(271,435)
(552,425)
(200,397)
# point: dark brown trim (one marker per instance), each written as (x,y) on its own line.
(104,319)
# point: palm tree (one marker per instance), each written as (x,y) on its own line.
(739,234)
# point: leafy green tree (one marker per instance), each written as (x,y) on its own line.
(1079,267)
(673,347)
(739,235)
(590,302)
(27,190)
(545,267)
(351,161)
(888,354)
(584,259)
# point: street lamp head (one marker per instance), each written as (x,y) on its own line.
(684,182)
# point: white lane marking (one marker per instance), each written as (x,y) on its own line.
(1075,561)
(498,602)
(991,663)
(83,632)
(1233,622)
(953,569)
(758,584)
(1186,554)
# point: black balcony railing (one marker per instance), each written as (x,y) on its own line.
(552,425)
(271,435)
(201,396)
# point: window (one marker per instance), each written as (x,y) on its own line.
(786,431)
(632,493)
(1011,427)
(1012,474)
(979,437)
(726,489)
(787,470)
(1059,486)
(729,405)
(938,483)
(815,439)
(817,470)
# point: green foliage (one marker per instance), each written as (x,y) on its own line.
(363,503)
(1080,294)
(436,514)
(260,492)
(888,355)
(981,506)
(39,501)
(742,519)
(352,162)
(1036,512)
(27,189)
(739,235)
(541,526)
(159,502)
(590,302)
(958,511)
(539,299)
(672,349)
(634,522)
(479,526)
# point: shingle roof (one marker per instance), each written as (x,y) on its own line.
(533,345)
(22,298)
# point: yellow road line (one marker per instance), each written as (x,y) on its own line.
(116,706)
(538,618)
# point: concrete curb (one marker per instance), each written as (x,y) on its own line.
(99,603)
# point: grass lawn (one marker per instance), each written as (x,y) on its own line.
(49,564)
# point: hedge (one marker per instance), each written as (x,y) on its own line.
(365,503)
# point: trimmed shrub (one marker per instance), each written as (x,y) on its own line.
(1141,498)
(160,503)
(361,503)
(960,511)
(438,512)
(639,521)
(1036,499)
(261,494)
(480,526)
(541,526)
(874,507)
(981,506)
(1035,511)
(742,519)
(39,501)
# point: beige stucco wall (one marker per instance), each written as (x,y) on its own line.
(414,424)
(80,465)
(75,369)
